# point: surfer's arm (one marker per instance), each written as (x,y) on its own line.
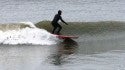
(63,20)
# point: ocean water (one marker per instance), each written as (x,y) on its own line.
(31,48)
(73,10)
(23,46)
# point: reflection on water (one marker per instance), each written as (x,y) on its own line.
(28,57)
(65,48)
(93,53)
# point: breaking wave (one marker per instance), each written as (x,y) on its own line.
(25,33)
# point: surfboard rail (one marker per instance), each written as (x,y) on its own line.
(66,36)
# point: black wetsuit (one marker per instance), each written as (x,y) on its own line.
(55,23)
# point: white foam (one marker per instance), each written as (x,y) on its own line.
(27,35)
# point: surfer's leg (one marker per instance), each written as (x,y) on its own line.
(54,30)
(54,27)
(60,27)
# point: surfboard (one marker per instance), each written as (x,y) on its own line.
(66,36)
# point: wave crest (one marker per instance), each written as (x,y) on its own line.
(27,35)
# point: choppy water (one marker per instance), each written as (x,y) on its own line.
(73,10)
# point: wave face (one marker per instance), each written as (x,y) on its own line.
(25,33)
(80,28)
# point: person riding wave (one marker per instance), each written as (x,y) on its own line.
(55,23)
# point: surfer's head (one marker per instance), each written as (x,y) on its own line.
(59,12)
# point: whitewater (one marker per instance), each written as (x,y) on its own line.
(28,35)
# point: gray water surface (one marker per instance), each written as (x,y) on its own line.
(73,10)
(85,53)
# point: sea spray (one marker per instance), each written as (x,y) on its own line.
(28,35)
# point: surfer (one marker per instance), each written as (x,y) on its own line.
(55,23)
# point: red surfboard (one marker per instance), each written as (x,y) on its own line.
(65,37)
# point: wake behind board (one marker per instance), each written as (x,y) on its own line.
(65,37)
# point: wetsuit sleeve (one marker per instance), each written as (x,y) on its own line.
(62,20)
